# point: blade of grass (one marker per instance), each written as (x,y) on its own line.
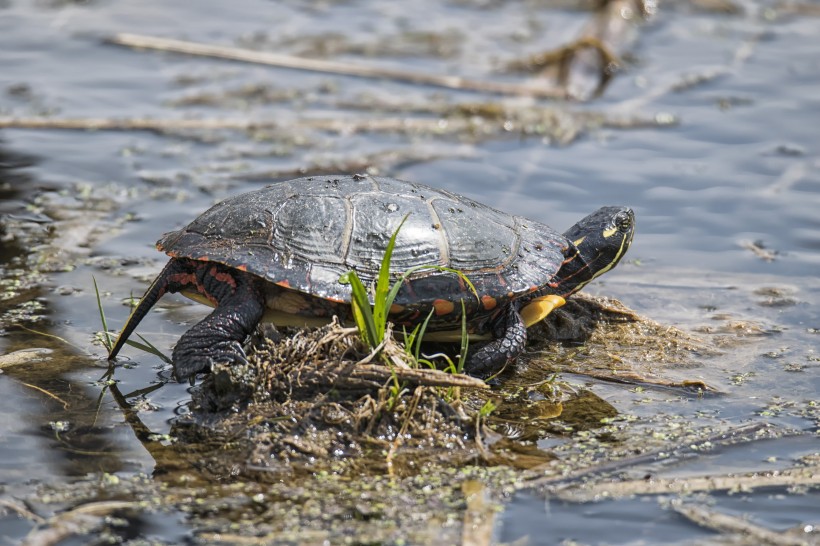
(417,350)
(53,336)
(147,347)
(409,339)
(381,305)
(362,312)
(153,350)
(106,339)
(394,290)
(465,339)
(371,320)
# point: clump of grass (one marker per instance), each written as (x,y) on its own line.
(371,321)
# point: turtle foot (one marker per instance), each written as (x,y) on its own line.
(218,337)
(191,360)
(495,355)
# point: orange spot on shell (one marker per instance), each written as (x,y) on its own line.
(284,284)
(533,288)
(488,302)
(242,267)
(443,307)
(396,308)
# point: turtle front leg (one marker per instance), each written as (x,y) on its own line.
(219,336)
(492,357)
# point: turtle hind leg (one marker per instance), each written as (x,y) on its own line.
(219,336)
(492,357)
(166,281)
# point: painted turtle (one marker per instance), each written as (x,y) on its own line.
(277,254)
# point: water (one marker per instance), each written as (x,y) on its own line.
(741,169)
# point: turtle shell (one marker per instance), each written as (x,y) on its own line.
(304,234)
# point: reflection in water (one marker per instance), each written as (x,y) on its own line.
(49,417)
(13,182)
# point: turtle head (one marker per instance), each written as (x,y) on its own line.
(600,240)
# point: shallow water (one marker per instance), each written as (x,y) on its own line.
(742,168)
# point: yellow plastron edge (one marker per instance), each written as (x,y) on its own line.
(538,309)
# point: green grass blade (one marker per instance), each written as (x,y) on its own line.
(394,290)
(381,305)
(362,313)
(106,339)
(409,340)
(152,349)
(465,339)
(363,324)
(146,347)
(423,329)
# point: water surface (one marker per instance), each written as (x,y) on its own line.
(741,170)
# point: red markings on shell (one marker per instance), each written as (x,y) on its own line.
(443,307)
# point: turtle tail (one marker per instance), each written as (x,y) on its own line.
(160,286)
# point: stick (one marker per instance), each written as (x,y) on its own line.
(151,124)
(330,67)
(745,433)
(434,378)
(790,477)
(725,523)
(130,124)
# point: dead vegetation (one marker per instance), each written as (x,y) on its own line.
(316,399)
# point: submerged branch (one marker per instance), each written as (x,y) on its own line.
(725,523)
(790,477)
(329,67)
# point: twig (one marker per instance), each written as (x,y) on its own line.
(53,336)
(433,378)
(733,436)
(131,124)
(725,523)
(80,520)
(669,486)
(21,510)
(47,393)
(757,248)
(344,126)
(328,67)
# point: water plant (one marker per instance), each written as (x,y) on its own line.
(107,338)
(371,320)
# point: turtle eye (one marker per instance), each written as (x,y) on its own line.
(623,221)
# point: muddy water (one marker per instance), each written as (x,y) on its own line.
(727,202)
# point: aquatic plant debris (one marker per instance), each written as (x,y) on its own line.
(292,449)
(313,399)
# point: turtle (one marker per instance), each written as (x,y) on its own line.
(277,254)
